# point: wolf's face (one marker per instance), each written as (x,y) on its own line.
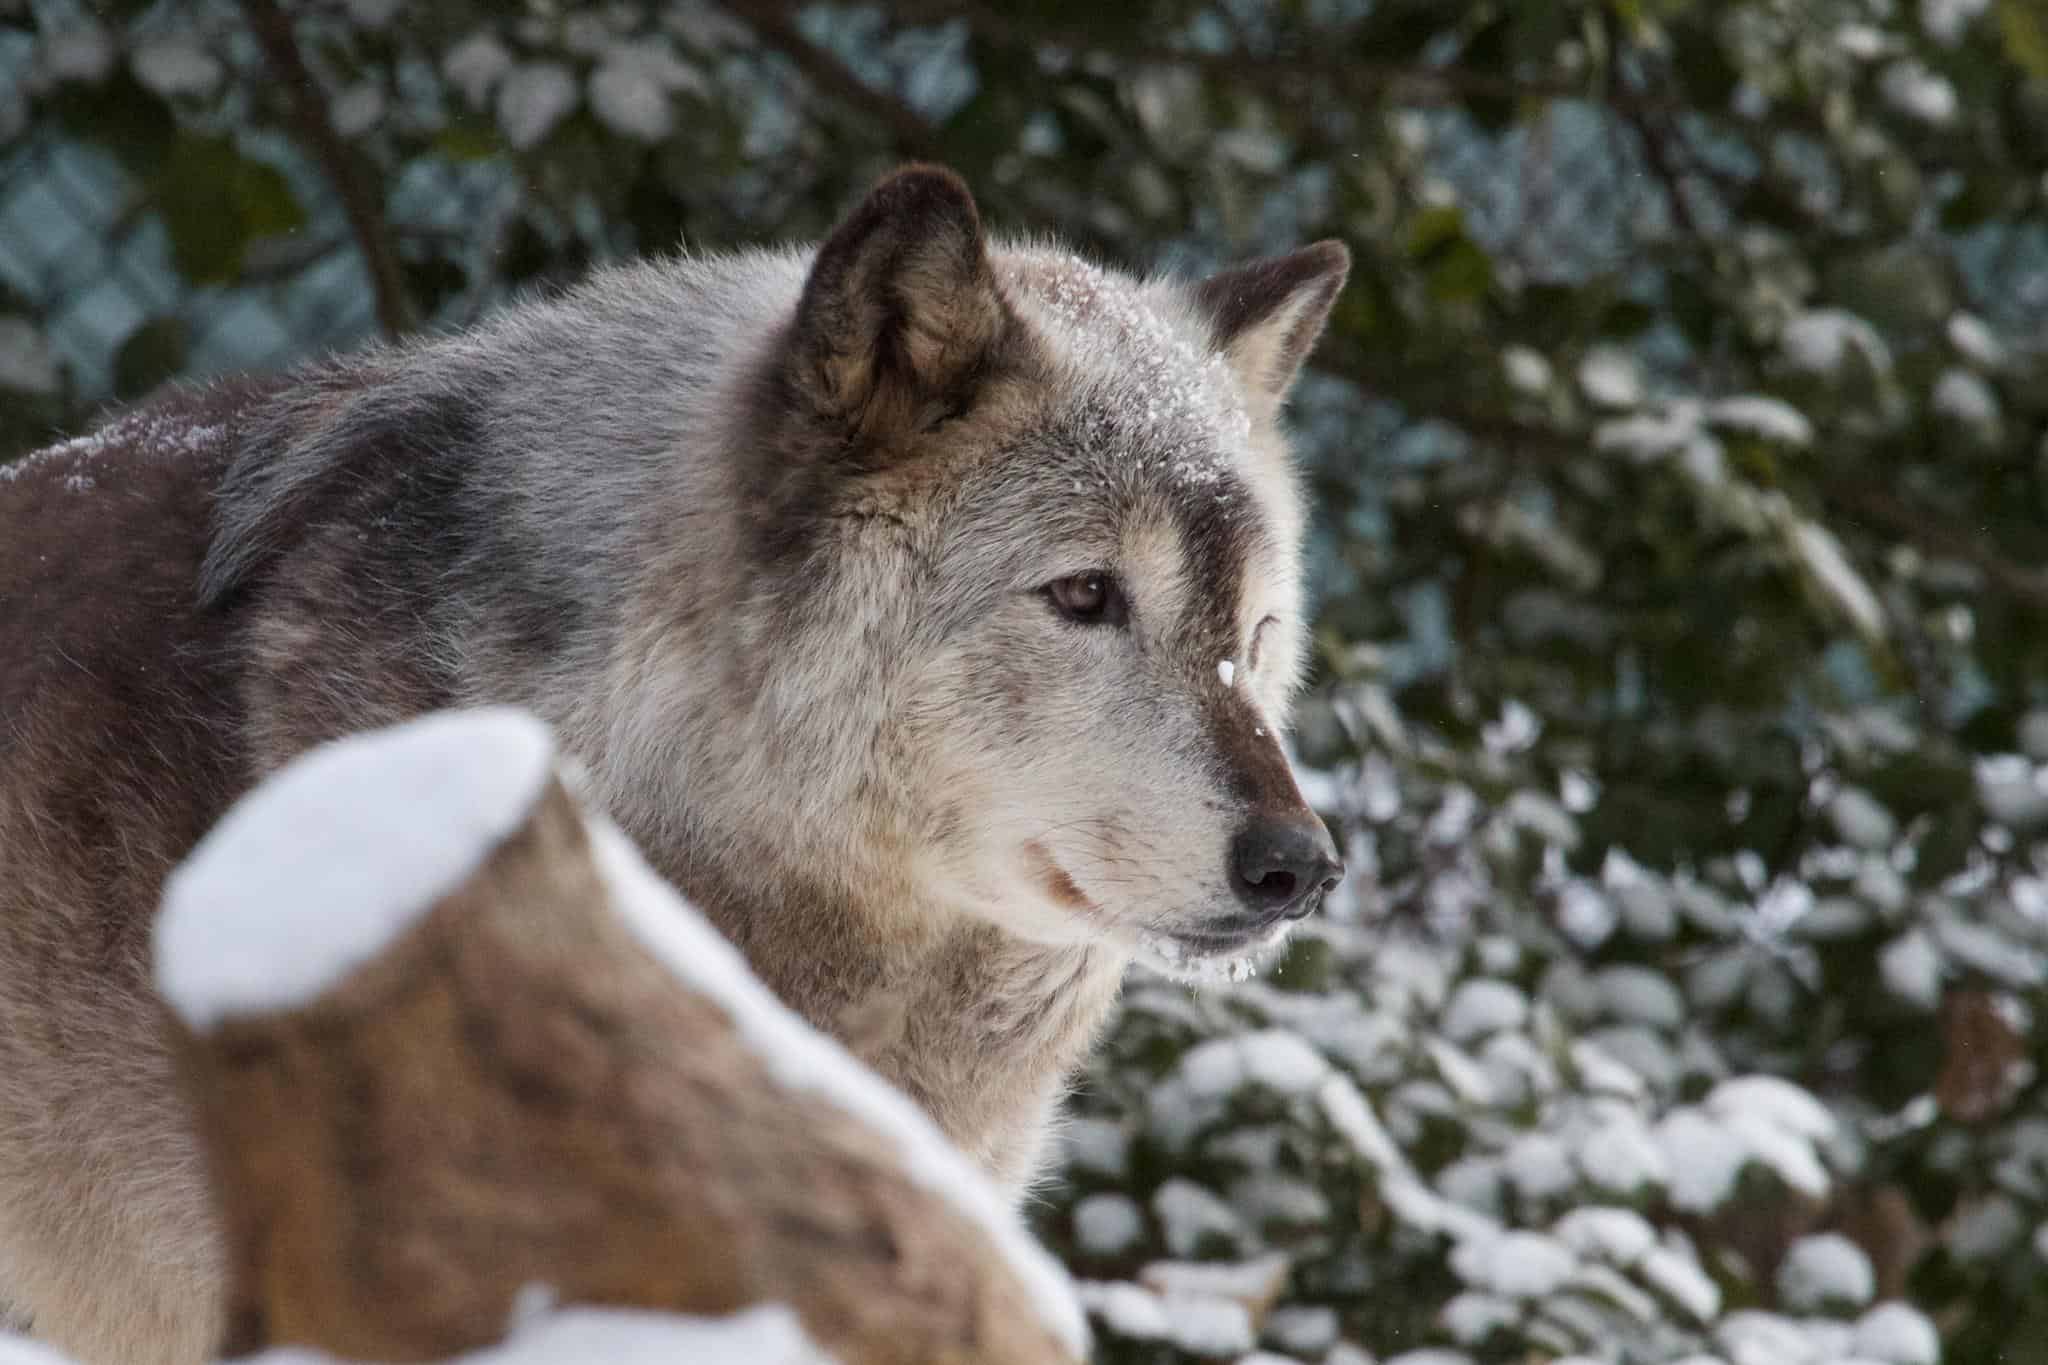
(1074,485)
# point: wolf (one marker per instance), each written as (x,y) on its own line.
(926,606)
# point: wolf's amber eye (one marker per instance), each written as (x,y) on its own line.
(1091,599)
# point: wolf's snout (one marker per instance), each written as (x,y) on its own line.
(1283,865)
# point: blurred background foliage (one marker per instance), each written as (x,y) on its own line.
(1681,453)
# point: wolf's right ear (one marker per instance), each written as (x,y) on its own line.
(901,312)
(1266,316)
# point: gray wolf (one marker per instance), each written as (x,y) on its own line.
(927,607)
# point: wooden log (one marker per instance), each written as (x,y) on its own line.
(448,1046)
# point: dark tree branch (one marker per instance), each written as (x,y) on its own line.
(345,171)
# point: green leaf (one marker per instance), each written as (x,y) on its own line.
(2024,26)
(468,139)
(214,201)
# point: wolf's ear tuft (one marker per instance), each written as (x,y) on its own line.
(1266,315)
(901,310)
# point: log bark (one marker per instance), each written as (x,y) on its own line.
(514,1092)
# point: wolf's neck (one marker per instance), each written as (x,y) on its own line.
(981,1028)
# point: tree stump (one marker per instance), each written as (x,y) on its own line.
(449,1044)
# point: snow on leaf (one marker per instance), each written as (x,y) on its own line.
(1609,376)
(1482,1006)
(532,99)
(1527,371)
(1825,1271)
(1108,1224)
(1515,1265)
(1975,342)
(1964,398)
(1821,556)
(175,66)
(1760,415)
(1899,1334)
(1616,1235)
(1679,1277)
(1820,341)
(1705,1158)
(1913,90)
(476,65)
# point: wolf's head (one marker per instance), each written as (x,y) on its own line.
(1033,530)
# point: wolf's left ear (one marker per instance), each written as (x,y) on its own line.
(1266,316)
(901,311)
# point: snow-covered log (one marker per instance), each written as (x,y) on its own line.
(453,1044)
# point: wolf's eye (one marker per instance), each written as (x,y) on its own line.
(1090,599)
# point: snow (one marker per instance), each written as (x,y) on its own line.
(1898,1334)
(1306,1330)
(1912,969)
(533,98)
(1745,1127)
(1097,1146)
(1947,20)
(1585,915)
(21,1351)
(80,52)
(373,13)
(1108,1224)
(1861,819)
(1679,1277)
(1622,1157)
(1644,437)
(175,66)
(1526,369)
(1515,1265)
(1619,1236)
(765,1334)
(1192,1218)
(1194,423)
(2012,790)
(1209,1327)
(1704,1159)
(1539,1166)
(324,865)
(476,65)
(1470,1318)
(27,364)
(1911,89)
(1825,1271)
(1773,419)
(1824,560)
(629,98)
(1963,397)
(1975,342)
(1819,341)
(1610,378)
(358,109)
(1640,995)
(1251,1283)
(1226,670)
(1482,1006)
(799,1057)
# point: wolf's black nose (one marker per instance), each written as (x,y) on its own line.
(1284,865)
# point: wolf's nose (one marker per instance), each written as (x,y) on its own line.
(1284,865)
